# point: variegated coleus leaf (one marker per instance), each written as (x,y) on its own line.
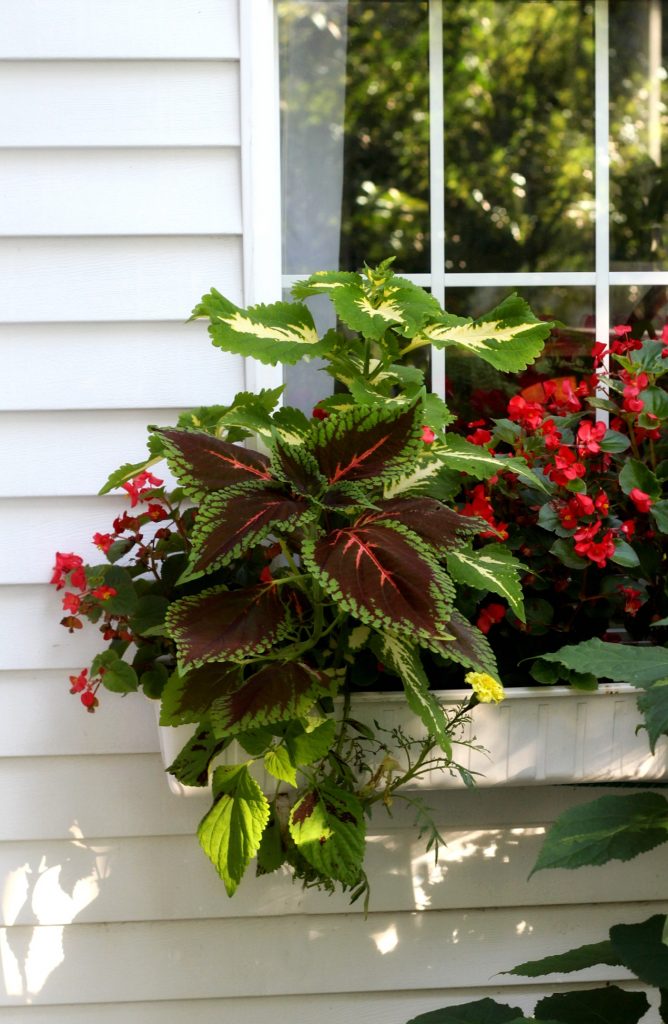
(465,457)
(492,568)
(367,442)
(231,522)
(295,464)
(468,646)
(278,692)
(384,576)
(203,463)
(403,658)
(283,332)
(510,337)
(224,625)
(188,696)
(325,281)
(441,527)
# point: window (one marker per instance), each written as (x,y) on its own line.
(490,146)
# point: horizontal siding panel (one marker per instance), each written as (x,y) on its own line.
(119,103)
(120,726)
(37,29)
(72,453)
(34,529)
(120,192)
(336,953)
(32,636)
(390,1007)
(482,868)
(117,279)
(122,795)
(115,366)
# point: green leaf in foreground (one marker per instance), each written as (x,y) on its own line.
(610,1005)
(622,663)
(574,960)
(610,828)
(230,833)
(491,568)
(327,826)
(653,703)
(641,948)
(482,1011)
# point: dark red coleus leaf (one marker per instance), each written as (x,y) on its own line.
(383,578)
(202,463)
(230,523)
(223,625)
(469,647)
(434,522)
(278,692)
(187,697)
(297,466)
(366,441)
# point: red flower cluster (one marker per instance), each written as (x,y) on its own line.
(480,506)
(490,615)
(139,485)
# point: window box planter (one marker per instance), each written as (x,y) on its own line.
(536,736)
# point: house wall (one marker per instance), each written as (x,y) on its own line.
(120,203)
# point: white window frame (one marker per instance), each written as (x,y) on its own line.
(263,281)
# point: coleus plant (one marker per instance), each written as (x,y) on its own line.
(275,575)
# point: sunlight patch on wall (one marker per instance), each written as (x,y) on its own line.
(386,941)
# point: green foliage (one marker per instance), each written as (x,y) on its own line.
(231,832)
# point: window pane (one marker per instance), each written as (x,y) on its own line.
(643,306)
(476,390)
(638,121)
(519,135)
(355,133)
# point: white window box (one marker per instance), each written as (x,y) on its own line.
(537,736)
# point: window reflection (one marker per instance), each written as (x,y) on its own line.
(643,306)
(519,135)
(638,121)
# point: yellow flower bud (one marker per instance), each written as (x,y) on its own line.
(486,688)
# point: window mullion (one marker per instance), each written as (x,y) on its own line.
(436,182)
(602,136)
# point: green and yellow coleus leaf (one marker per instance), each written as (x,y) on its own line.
(490,568)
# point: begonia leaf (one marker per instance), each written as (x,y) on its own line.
(622,663)
(636,474)
(223,625)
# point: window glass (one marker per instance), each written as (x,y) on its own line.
(638,122)
(643,306)
(354,89)
(519,135)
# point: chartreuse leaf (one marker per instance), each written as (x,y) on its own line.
(327,826)
(403,658)
(640,666)
(610,828)
(509,337)
(230,833)
(278,763)
(481,1011)
(282,332)
(641,948)
(609,1005)
(653,703)
(309,745)
(491,568)
(574,960)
